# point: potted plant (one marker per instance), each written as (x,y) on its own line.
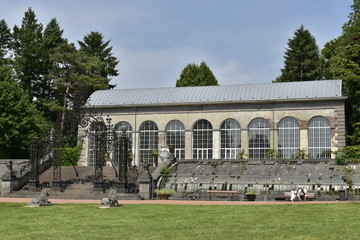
(250,196)
(164,193)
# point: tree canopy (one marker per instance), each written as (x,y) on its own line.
(302,58)
(196,75)
(19,118)
(55,75)
(342,55)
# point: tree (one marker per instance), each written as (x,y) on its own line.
(19,118)
(196,75)
(345,64)
(329,51)
(94,45)
(76,75)
(5,39)
(26,46)
(302,58)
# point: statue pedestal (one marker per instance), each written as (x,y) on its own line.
(121,187)
(57,185)
(98,186)
(145,186)
(34,185)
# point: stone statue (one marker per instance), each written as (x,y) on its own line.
(43,198)
(111,200)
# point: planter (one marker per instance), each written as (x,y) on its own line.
(250,197)
(164,196)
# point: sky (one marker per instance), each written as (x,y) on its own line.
(242,41)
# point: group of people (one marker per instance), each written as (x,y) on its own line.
(300,194)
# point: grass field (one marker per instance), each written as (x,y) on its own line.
(86,221)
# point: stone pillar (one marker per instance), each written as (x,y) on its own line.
(216,144)
(188,145)
(145,184)
(9,180)
(245,142)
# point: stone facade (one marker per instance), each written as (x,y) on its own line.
(244,112)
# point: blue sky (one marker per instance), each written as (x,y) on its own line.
(242,41)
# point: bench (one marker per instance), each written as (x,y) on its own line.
(221,194)
(309,196)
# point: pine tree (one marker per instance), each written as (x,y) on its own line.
(26,46)
(196,75)
(5,38)
(302,58)
(95,46)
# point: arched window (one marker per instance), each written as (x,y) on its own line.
(230,139)
(175,134)
(288,138)
(259,138)
(202,140)
(119,127)
(319,138)
(97,141)
(149,138)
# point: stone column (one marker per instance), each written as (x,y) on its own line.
(9,180)
(188,145)
(145,184)
(216,144)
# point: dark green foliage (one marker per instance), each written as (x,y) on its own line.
(54,75)
(95,46)
(5,38)
(196,75)
(76,76)
(344,63)
(26,46)
(19,118)
(71,155)
(348,154)
(302,58)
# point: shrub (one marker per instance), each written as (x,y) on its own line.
(348,154)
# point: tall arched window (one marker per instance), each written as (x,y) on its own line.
(259,138)
(288,138)
(202,140)
(175,134)
(149,138)
(97,141)
(230,139)
(119,127)
(319,138)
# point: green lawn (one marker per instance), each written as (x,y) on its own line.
(86,221)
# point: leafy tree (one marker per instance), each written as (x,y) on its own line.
(94,45)
(5,39)
(302,58)
(26,46)
(329,51)
(196,75)
(345,64)
(76,75)
(19,118)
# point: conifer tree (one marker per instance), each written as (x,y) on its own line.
(19,118)
(302,58)
(196,75)
(5,38)
(94,45)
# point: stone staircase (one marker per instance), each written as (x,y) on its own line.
(75,187)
